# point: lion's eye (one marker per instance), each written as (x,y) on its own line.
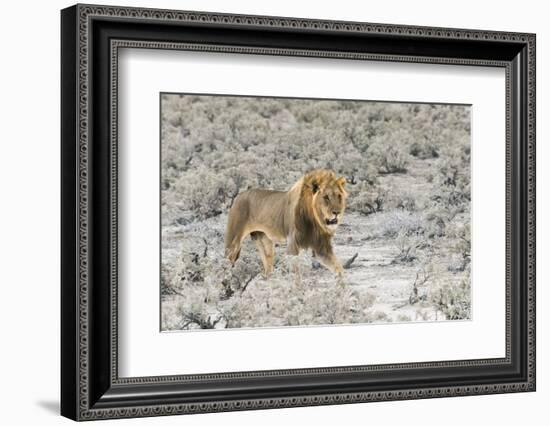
(326,197)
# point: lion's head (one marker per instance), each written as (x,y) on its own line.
(326,194)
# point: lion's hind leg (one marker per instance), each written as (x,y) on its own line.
(233,247)
(265,247)
(235,231)
(232,253)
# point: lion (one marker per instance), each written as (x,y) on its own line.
(305,217)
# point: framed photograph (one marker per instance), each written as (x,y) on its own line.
(263,212)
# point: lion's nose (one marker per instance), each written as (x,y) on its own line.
(335,213)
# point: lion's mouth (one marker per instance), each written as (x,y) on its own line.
(331,221)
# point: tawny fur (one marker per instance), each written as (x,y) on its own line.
(305,217)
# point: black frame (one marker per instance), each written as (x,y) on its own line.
(90,38)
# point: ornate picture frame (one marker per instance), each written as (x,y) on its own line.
(91,37)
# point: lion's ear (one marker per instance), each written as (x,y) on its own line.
(341,181)
(314,186)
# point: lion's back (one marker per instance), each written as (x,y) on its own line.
(260,209)
(259,203)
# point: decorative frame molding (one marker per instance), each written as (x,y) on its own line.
(91,37)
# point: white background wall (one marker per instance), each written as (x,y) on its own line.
(29,214)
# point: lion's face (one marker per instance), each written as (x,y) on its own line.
(330,203)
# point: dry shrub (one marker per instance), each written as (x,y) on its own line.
(391,159)
(452,298)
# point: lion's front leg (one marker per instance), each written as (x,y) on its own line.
(331,262)
(294,250)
